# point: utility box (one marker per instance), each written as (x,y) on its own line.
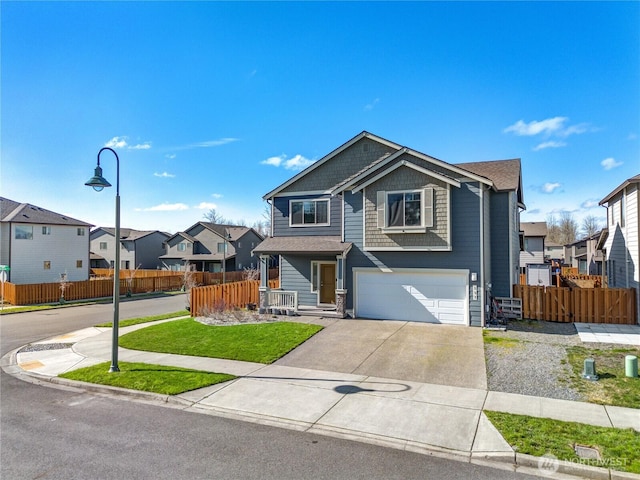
(539,274)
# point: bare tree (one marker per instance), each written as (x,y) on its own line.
(213,216)
(130,275)
(188,282)
(563,230)
(64,284)
(590,226)
(263,226)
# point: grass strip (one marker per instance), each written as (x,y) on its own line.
(135,321)
(148,378)
(618,448)
(260,342)
(613,387)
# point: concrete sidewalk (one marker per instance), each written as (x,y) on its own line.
(421,417)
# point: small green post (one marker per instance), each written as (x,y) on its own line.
(631,366)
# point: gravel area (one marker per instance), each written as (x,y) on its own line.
(39,347)
(530,359)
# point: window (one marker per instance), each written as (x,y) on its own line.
(46,230)
(182,247)
(103,245)
(239,245)
(78,263)
(309,212)
(80,232)
(124,265)
(222,247)
(405,209)
(24,232)
(47,264)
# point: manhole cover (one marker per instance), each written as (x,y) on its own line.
(587,452)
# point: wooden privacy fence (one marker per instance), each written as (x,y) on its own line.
(589,305)
(200,278)
(204,300)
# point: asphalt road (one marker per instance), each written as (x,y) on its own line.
(51,433)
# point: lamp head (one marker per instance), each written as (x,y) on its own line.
(98,182)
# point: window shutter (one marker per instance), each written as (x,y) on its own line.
(428,207)
(380,207)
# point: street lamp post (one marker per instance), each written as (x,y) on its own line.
(98,182)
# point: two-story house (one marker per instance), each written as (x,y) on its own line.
(378,230)
(207,246)
(620,241)
(39,245)
(534,234)
(138,248)
(585,256)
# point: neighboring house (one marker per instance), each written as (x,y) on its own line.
(553,252)
(378,230)
(138,248)
(39,245)
(533,248)
(202,247)
(585,255)
(620,240)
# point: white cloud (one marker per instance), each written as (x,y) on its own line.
(591,203)
(170,156)
(206,206)
(370,106)
(165,207)
(275,161)
(121,142)
(549,144)
(164,175)
(216,195)
(550,187)
(609,163)
(213,143)
(297,163)
(535,127)
(117,142)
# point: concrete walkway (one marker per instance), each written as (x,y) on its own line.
(417,416)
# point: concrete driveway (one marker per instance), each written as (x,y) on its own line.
(419,352)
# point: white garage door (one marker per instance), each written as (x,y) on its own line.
(436,296)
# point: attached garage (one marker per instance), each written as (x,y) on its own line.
(417,295)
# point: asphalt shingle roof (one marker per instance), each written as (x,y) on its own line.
(306,244)
(12,211)
(505,174)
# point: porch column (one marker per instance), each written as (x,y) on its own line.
(341,292)
(264,283)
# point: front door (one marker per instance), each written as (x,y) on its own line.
(327,283)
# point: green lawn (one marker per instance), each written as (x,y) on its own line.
(135,321)
(261,342)
(539,436)
(148,378)
(613,387)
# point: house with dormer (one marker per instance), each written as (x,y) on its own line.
(378,230)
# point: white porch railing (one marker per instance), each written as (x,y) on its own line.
(282,299)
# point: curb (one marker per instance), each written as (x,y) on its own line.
(547,465)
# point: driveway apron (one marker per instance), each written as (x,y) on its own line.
(419,352)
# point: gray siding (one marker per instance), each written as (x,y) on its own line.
(534,251)
(295,274)
(243,247)
(281,214)
(501,237)
(465,233)
(148,250)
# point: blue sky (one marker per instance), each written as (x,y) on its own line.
(211,105)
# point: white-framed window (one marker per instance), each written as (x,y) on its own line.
(315,272)
(46,230)
(80,232)
(405,209)
(222,247)
(24,232)
(47,264)
(103,245)
(182,247)
(309,213)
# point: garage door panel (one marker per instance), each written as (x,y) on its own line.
(424,297)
